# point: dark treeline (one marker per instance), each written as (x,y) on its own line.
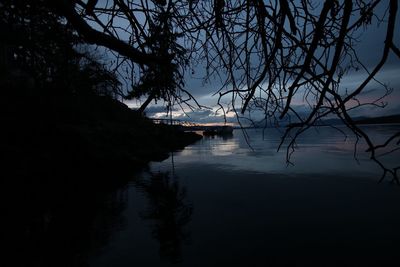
(55,92)
(66,140)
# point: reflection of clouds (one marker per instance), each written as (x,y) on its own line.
(186,152)
(224,148)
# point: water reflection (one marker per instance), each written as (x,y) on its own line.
(108,218)
(248,216)
(333,151)
(63,221)
(220,145)
(242,210)
(225,136)
(57,220)
(169,212)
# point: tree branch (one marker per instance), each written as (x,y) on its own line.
(93,36)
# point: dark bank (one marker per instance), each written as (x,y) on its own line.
(66,141)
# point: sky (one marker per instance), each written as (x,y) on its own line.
(369,49)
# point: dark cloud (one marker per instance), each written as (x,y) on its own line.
(152,110)
(201,113)
(155,109)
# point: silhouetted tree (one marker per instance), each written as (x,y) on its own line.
(266,53)
(166,80)
(93,77)
(38,42)
(41,45)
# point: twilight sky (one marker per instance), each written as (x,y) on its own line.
(370,50)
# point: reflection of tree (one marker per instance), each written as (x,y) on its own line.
(169,212)
(108,218)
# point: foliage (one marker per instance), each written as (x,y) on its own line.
(42,44)
(44,47)
(165,80)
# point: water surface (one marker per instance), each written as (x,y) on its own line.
(221,203)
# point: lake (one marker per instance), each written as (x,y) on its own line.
(234,201)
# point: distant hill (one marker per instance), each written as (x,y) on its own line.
(368,120)
(379,120)
(358,120)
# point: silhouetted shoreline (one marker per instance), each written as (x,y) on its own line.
(63,158)
(93,132)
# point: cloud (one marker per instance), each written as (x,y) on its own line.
(152,110)
(201,116)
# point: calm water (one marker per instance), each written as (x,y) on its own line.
(221,203)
